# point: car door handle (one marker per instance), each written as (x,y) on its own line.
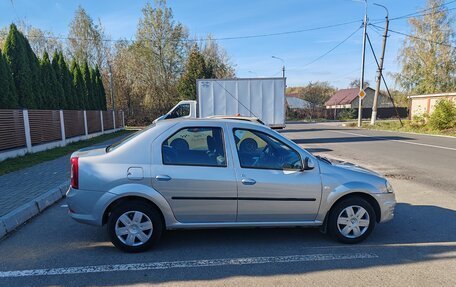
(248,181)
(162,177)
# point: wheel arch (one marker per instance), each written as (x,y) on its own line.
(132,192)
(366,196)
(129,198)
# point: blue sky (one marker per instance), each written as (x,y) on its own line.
(252,57)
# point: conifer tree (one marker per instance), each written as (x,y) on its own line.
(8,97)
(100,88)
(67,82)
(78,86)
(87,87)
(48,101)
(17,59)
(59,92)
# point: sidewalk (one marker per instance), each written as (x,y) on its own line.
(20,188)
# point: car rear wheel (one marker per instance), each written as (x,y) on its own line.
(351,220)
(134,226)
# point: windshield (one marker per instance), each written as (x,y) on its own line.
(127,139)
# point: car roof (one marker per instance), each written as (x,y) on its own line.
(171,122)
(234,118)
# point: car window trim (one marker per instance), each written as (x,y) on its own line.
(202,165)
(264,168)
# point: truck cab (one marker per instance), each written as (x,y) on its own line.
(184,109)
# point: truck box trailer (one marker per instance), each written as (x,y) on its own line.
(263,98)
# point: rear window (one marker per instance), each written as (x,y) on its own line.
(195,146)
(127,139)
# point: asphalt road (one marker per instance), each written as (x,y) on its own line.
(417,248)
(429,160)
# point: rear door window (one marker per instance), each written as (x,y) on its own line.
(197,146)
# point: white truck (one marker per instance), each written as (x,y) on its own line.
(262,98)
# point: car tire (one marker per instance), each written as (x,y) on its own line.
(134,226)
(351,220)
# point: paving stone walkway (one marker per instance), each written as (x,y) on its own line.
(22,186)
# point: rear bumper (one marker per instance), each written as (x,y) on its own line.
(87,206)
(387,203)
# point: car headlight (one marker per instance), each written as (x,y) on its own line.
(389,187)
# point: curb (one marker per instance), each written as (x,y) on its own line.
(10,221)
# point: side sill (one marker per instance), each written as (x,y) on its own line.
(249,224)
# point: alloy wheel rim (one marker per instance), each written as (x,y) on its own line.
(134,228)
(353,221)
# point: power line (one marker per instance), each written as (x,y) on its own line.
(418,38)
(332,49)
(213,39)
(422,11)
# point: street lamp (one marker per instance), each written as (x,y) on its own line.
(283,65)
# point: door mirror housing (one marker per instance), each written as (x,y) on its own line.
(308,164)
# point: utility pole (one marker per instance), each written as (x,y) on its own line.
(380,68)
(361,81)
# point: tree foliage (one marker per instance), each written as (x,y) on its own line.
(217,60)
(444,115)
(49,98)
(149,75)
(196,68)
(8,96)
(316,93)
(427,58)
(355,84)
(16,54)
(87,40)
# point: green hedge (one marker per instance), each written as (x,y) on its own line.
(27,81)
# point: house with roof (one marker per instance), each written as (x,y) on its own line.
(348,99)
(295,102)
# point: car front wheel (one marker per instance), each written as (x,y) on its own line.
(134,226)
(351,220)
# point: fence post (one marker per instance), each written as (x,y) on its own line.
(28,138)
(123,119)
(101,119)
(62,128)
(113,120)
(85,124)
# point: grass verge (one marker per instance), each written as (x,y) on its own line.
(394,125)
(30,159)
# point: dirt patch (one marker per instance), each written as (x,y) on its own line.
(399,176)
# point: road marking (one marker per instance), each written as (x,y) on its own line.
(185,264)
(400,141)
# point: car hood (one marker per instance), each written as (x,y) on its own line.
(90,151)
(352,167)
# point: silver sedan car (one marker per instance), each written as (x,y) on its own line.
(216,173)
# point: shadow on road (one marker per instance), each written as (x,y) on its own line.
(418,233)
(286,131)
(347,139)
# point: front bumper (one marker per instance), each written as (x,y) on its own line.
(87,206)
(387,203)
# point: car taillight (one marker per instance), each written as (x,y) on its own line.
(74,172)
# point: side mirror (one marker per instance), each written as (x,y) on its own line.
(308,164)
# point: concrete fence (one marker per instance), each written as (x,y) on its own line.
(30,131)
